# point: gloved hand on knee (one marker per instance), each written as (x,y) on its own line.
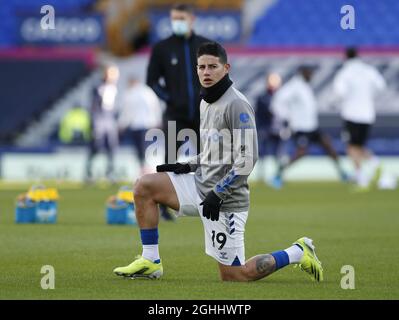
(211,206)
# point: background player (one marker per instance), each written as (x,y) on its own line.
(272,130)
(296,102)
(140,111)
(356,85)
(103,113)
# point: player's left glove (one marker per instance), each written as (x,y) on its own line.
(211,206)
(177,168)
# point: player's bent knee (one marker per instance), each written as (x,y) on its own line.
(143,186)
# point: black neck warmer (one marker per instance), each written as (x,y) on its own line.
(213,93)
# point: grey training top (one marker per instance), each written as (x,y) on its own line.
(229,150)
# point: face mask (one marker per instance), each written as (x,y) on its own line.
(180,27)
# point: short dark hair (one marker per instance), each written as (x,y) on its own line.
(351,53)
(213,49)
(183,7)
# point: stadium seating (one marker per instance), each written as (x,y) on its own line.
(29,87)
(316,23)
(9,14)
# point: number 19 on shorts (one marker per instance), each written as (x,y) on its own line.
(220,238)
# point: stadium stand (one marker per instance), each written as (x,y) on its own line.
(250,67)
(29,87)
(274,37)
(314,23)
(45,131)
(11,8)
(34,78)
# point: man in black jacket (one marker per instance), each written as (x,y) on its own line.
(174,61)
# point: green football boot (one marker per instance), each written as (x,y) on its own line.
(309,262)
(141,268)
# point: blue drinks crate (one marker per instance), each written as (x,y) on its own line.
(121,213)
(26,213)
(120,207)
(36,212)
(46,212)
(38,205)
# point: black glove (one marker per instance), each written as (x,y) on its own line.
(177,168)
(212,204)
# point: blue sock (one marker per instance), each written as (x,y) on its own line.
(281,258)
(149,239)
(149,236)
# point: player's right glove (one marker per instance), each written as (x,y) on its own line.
(177,168)
(212,204)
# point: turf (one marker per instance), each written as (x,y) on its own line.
(357,229)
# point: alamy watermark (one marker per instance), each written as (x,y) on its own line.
(348,18)
(220,147)
(48,20)
(348,280)
(48,280)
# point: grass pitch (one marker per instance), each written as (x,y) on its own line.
(357,229)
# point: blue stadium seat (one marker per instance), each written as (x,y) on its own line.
(317,23)
(29,88)
(9,10)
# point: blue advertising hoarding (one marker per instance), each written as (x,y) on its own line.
(222,26)
(87,29)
